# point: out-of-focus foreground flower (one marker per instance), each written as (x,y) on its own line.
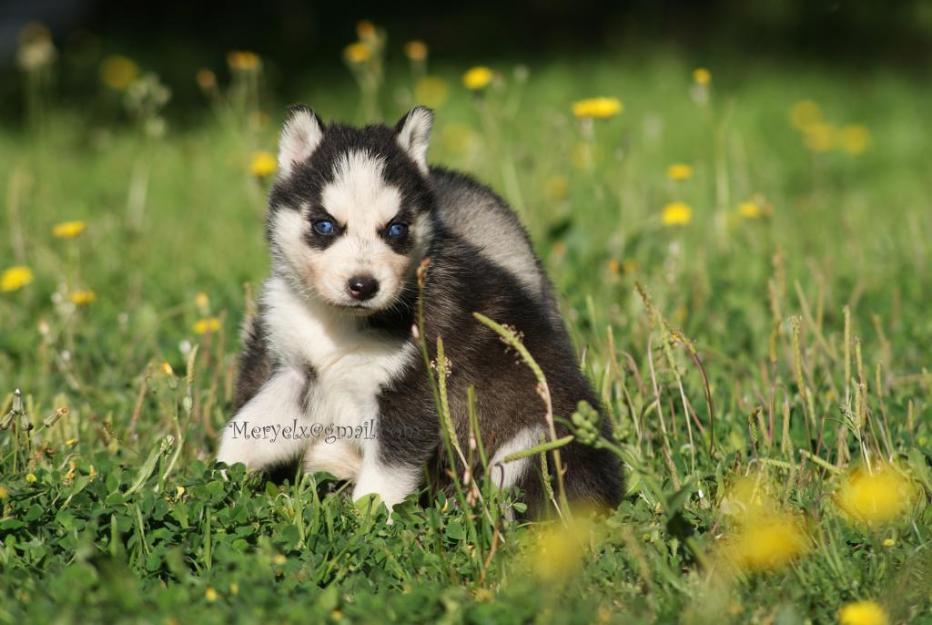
(764,537)
(876,497)
(863,613)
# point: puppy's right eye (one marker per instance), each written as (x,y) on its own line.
(324,227)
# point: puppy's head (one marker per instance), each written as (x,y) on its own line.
(350,213)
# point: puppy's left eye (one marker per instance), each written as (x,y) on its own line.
(397,230)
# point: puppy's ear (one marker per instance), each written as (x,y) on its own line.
(300,136)
(413,134)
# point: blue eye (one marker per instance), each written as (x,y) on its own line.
(396,231)
(324,227)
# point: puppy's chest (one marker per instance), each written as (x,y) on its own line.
(347,365)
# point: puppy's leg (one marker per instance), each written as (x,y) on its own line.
(274,408)
(392,482)
(339,458)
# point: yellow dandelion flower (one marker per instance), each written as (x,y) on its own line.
(243,60)
(820,136)
(431,91)
(15,278)
(597,108)
(263,164)
(211,595)
(750,210)
(702,76)
(889,542)
(166,368)
(679,171)
(4,493)
(202,301)
(804,114)
(854,139)
(876,498)
(478,78)
(863,613)
(559,550)
(358,52)
(31,478)
(118,72)
(416,50)
(82,297)
(768,543)
(206,325)
(676,214)
(279,559)
(71,442)
(365,29)
(68,229)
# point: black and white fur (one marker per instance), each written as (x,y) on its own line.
(327,349)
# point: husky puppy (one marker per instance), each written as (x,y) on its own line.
(332,349)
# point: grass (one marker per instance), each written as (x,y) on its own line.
(791,347)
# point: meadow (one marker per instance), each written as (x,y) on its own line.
(741,251)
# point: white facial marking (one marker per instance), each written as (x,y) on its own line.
(364,203)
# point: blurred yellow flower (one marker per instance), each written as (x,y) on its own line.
(875,498)
(765,537)
(702,76)
(31,478)
(416,50)
(167,368)
(597,108)
(82,298)
(767,543)
(889,542)
(431,91)
(202,301)
(676,214)
(679,171)
(863,613)
(206,325)
(558,550)
(210,594)
(279,559)
(243,60)
(478,78)
(750,209)
(4,493)
(805,113)
(118,72)
(15,278)
(854,139)
(263,164)
(358,52)
(68,229)
(820,136)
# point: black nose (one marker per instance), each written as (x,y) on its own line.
(362,287)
